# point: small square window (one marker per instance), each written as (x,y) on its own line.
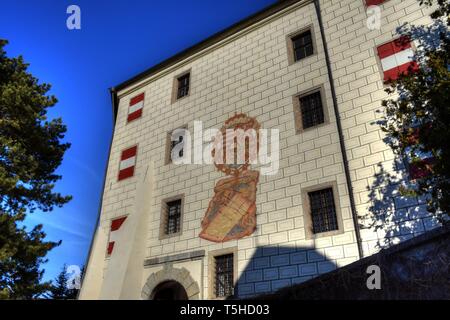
(171,217)
(175,138)
(311,110)
(323,211)
(302,45)
(183,85)
(224,273)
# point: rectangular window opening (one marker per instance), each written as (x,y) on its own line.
(224,275)
(311,110)
(302,45)
(323,210)
(183,85)
(173,217)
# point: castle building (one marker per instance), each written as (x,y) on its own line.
(313,73)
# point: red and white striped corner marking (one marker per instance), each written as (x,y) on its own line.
(127,163)
(396,58)
(136,106)
(114,232)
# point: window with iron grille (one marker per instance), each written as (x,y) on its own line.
(183,86)
(302,45)
(173,217)
(311,110)
(224,275)
(323,210)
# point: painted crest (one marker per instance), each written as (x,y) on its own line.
(231,213)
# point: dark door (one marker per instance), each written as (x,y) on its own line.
(169,290)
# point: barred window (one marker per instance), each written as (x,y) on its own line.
(173,217)
(323,210)
(224,275)
(183,86)
(302,45)
(311,110)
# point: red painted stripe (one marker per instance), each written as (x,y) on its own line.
(110,248)
(391,75)
(128,153)
(408,67)
(385,50)
(373,2)
(394,73)
(137,99)
(117,223)
(135,115)
(394,46)
(401,44)
(126,173)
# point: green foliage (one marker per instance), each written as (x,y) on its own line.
(30,147)
(30,152)
(418,113)
(59,290)
(21,254)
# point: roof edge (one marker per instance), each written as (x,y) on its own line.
(213,39)
(204,44)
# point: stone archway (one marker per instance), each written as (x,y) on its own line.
(179,275)
(169,290)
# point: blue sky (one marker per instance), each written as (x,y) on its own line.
(117,40)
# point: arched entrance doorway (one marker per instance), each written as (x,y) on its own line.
(169,290)
(171,278)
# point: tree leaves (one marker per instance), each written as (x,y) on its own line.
(417,115)
(30,145)
(30,152)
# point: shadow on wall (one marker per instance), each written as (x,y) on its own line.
(274,267)
(416,269)
(393,217)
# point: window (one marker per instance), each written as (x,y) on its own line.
(183,85)
(222,264)
(224,273)
(175,138)
(176,142)
(302,45)
(171,217)
(323,210)
(309,110)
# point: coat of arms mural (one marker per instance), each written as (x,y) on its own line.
(231,213)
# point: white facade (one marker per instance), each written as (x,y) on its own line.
(249,72)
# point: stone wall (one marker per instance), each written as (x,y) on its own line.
(250,72)
(415,269)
